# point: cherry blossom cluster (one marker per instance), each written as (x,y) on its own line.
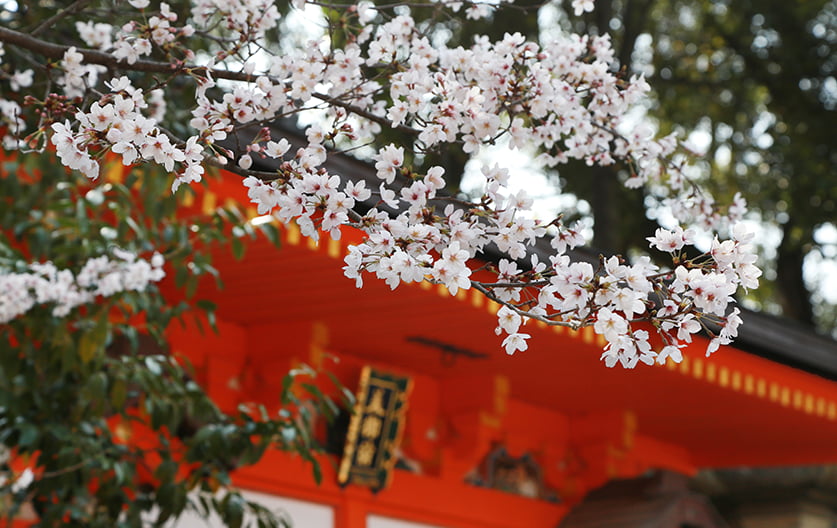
(44,283)
(116,123)
(245,19)
(135,39)
(562,99)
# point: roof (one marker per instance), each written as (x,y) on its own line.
(788,342)
(768,483)
(643,503)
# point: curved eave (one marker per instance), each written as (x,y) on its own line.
(732,409)
(788,343)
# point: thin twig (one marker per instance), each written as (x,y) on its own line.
(71,9)
(524,313)
(65,470)
(512,284)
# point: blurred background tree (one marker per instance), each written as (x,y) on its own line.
(759,79)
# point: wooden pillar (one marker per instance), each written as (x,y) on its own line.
(350,514)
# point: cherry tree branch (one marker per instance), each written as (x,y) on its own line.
(502,92)
(575,325)
(56,52)
(91,56)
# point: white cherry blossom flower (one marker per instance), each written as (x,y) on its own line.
(514,342)
(21,79)
(388,161)
(508,320)
(610,324)
(670,351)
(277,149)
(671,241)
(582,6)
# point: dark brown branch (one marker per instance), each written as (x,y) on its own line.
(363,113)
(575,325)
(56,52)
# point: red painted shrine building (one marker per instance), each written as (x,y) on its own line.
(493,441)
(541,439)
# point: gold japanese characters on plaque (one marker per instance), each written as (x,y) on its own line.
(375,429)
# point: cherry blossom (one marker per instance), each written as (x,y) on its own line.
(582,6)
(516,342)
(45,284)
(564,99)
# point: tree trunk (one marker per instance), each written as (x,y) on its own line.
(606,233)
(793,294)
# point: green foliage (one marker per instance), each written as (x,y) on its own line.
(69,384)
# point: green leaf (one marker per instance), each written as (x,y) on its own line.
(237,247)
(271,232)
(318,472)
(166,470)
(233,510)
(81,217)
(97,388)
(191,285)
(206,305)
(93,341)
(118,393)
(28,435)
(119,473)
(286,394)
(347,395)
